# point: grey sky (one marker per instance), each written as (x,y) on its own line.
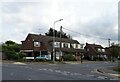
(97,18)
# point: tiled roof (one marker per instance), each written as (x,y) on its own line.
(50,38)
(47,40)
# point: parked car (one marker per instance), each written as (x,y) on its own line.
(43,57)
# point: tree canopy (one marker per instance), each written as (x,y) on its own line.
(57,34)
(115,51)
(11,50)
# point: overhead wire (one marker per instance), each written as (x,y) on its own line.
(85,34)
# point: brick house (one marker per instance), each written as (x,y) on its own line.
(35,45)
(95,50)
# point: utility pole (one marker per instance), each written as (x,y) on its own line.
(60,56)
(111,58)
(54,39)
(109,41)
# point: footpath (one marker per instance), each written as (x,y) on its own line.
(104,71)
(108,72)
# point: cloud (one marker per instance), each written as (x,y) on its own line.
(89,17)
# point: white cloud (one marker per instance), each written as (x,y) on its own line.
(90,17)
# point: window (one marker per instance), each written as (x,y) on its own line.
(99,50)
(81,46)
(36,44)
(72,45)
(65,45)
(76,46)
(88,50)
(103,50)
(57,44)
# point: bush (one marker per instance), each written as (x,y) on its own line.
(10,55)
(87,58)
(12,50)
(69,57)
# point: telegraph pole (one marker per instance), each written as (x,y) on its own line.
(60,57)
(109,41)
(54,39)
(111,58)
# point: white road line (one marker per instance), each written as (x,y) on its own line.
(44,69)
(40,69)
(11,74)
(52,64)
(89,75)
(29,79)
(58,71)
(50,70)
(102,77)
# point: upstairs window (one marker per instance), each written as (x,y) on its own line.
(65,45)
(57,44)
(81,46)
(36,44)
(103,50)
(76,46)
(99,50)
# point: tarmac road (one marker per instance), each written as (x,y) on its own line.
(47,71)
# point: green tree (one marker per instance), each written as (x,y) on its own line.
(12,50)
(57,34)
(9,43)
(115,51)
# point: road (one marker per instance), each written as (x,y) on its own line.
(43,71)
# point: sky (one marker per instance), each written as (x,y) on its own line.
(96,18)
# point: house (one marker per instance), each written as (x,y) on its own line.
(35,45)
(95,51)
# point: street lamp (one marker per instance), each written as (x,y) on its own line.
(54,39)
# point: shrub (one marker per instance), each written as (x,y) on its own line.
(12,50)
(69,57)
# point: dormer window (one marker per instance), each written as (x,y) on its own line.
(36,44)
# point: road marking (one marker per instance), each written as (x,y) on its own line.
(102,77)
(89,75)
(50,70)
(58,71)
(44,69)
(29,79)
(39,69)
(52,64)
(11,74)
(76,74)
(92,71)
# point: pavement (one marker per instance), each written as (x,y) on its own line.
(104,71)
(108,72)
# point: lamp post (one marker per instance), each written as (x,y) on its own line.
(54,39)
